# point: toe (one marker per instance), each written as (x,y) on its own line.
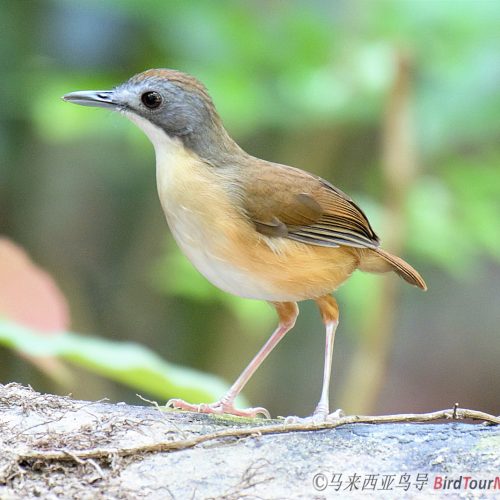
(247,412)
(174,403)
(179,404)
(312,419)
(219,408)
(255,412)
(319,416)
(336,415)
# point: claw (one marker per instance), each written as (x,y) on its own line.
(218,408)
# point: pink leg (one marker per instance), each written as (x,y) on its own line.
(330,314)
(287,312)
(323,405)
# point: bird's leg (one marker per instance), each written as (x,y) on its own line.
(287,312)
(330,313)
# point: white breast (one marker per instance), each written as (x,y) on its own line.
(188,198)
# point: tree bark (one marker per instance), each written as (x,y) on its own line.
(56,447)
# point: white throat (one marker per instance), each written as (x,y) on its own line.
(159,138)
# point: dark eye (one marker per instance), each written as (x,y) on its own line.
(151,99)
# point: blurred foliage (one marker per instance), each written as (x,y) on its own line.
(301,82)
(462,218)
(126,362)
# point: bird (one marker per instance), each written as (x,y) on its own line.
(255,229)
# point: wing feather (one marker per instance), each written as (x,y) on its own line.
(287,202)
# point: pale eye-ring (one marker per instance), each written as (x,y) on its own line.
(151,99)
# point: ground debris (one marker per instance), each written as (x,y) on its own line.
(54,447)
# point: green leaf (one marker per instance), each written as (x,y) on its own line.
(126,362)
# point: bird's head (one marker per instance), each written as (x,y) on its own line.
(166,104)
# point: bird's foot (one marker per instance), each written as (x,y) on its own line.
(218,408)
(320,416)
(334,416)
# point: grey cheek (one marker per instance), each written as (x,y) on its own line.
(177,119)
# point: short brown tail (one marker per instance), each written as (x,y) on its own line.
(402,268)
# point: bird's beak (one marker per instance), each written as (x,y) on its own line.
(98,98)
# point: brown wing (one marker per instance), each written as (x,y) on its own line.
(290,203)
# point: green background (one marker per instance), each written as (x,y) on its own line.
(395,102)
